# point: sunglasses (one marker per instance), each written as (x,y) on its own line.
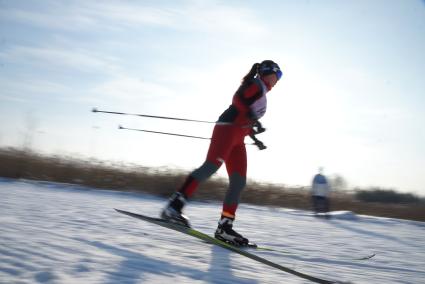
(272,70)
(278,74)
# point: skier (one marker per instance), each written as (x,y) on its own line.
(320,193)
(227,146)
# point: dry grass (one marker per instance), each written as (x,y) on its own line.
(162,182)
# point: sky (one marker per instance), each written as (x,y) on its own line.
(351,98)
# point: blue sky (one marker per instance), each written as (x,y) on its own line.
(351,98)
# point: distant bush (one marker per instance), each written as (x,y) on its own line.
(19,164)
(386,196)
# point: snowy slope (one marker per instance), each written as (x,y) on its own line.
(56,233)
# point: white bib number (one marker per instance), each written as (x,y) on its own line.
(259,107)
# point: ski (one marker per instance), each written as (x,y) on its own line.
(211,240)
(287,252)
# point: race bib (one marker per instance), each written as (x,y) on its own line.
(258,108)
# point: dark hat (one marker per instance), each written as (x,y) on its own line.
(268,67)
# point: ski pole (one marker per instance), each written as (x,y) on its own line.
(166,133)
(257,142)
(155,116)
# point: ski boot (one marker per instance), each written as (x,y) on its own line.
(173,211)
(226,234)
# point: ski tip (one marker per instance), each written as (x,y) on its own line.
(367,257)
(120,211)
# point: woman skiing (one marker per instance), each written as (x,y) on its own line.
(227,146)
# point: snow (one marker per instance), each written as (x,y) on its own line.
(61,233)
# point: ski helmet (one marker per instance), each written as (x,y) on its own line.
(268,67)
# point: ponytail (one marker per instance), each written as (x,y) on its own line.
(251,74)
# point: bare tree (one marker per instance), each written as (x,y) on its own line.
(29,131)
(27,143)
(338,182)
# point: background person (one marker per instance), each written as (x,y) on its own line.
(320,193)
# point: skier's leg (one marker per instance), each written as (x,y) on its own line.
(327,207)
(316,204)
(320,204)
(196,177)
(236,168)
(219,149)
(173,210)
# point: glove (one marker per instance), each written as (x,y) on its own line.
(258,143)
(257,128)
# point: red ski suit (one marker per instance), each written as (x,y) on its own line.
(227,143)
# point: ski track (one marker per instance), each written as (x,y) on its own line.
(61,233)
